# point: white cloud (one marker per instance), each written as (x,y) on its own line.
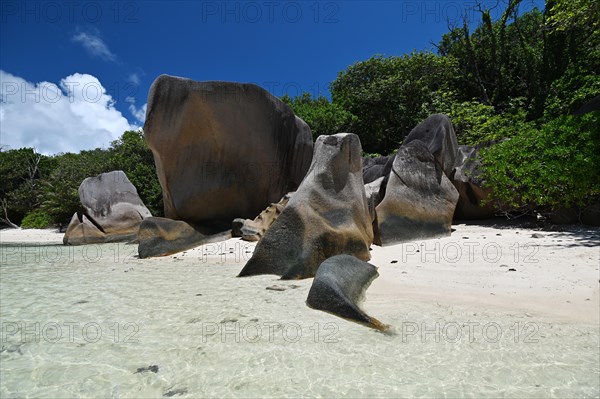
(138,113)
(74,115)
(94,45)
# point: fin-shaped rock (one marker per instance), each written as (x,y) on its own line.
(339,288)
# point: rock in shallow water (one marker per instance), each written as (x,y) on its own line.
(339,288)
(328,215)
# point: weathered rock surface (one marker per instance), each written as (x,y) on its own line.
(82,230)
(339,288)
(437,133)
(419,201)
(161,236)
(223,150)
(328,215)
(374,168)
(112,212)
(254,230)
(470,188)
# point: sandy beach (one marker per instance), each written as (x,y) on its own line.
(552,273)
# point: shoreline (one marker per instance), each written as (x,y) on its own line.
(554,274)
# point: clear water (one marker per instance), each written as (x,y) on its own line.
(81,321)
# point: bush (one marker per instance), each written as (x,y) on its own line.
(476,123)
(37,219)
(547,168)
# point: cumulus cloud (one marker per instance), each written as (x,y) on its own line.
(76,114)
(94,45)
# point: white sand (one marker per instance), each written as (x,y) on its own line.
(556,275)
(21,236)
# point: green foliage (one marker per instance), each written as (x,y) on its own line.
(476,123)
(132,155)
(554,166)
(500,59)
(37,219)
(21,170)
(569,92)
(390,95)
(575,14)
(322,116)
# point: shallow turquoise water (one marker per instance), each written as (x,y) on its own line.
(81,321)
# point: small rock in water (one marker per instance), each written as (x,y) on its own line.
(229,320)
(12,349)
(503,265)
(512,269)
(174,392)
(276,288)
(394,261)
(198,294)
(498,234)
(154,369)
(293,286)
(80,302)
(404,272)
(536,235)
(465,238)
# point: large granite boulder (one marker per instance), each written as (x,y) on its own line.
(112,211)
(419,201)
(437,133)
(339,288)
(254,230)
(223,150)
(472,194)
(162,236)
(328,215)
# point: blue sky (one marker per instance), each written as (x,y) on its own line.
(75,74)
